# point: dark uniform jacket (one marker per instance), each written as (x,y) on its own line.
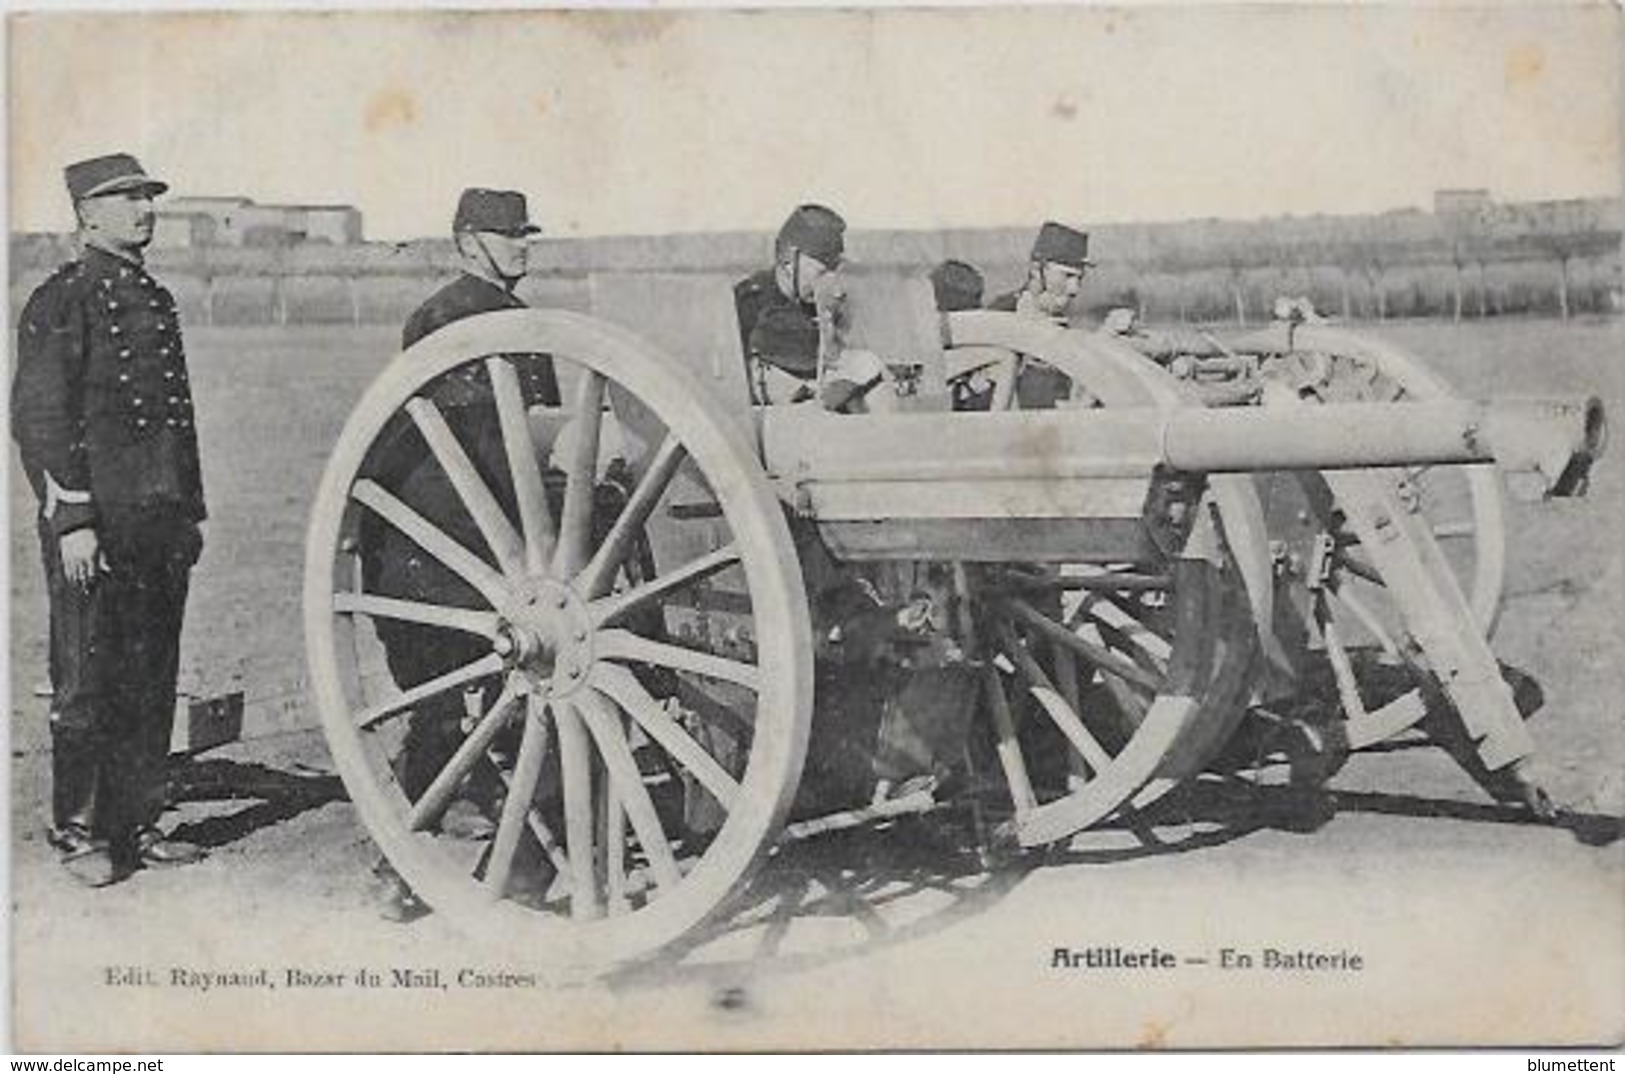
(100,405)
(463,297)
(780,331)
(403,463)
(1039,386)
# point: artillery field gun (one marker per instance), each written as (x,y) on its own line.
(713,625)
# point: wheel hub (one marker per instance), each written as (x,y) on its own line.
(547,635)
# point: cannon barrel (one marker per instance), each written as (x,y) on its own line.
(1555,439)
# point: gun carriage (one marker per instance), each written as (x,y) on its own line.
(707,620)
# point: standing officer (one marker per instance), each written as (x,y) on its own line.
(492,230)
(102,413)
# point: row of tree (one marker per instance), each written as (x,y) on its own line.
(1561,258)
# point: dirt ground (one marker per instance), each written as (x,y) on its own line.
(1473,925)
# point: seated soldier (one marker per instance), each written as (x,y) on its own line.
(1055,272)
(959,286)
(791,319)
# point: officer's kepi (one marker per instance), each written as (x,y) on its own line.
(502,212)
(1062,245)
(115,173)
(817,231)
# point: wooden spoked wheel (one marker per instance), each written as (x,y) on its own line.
(1142,669)
(1463,504)
(1347,624)
(586,709)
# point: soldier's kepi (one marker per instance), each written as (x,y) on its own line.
(102,412)
(1055,271)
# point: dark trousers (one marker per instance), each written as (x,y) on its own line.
(434,726)
(114,655)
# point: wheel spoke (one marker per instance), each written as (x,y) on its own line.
(604,726)
(575,770)
(473,570)
(468,620)
(616,644)
(476,495)
(535,519)
(1050,700)
(618,543)
(538,827)
(1008,746)
(1066,675)
(623,688)
(1104,660)
(479,669)
(1065,664)
(581,475)
(616,606)
(1131,611)
(527,771)
(432,803)
(614,850)
(1120,638)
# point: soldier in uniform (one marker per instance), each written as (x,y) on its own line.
(792,321)
(1055,271)
(778,314)
(102,413)
(492,229)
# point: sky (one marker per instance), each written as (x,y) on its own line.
(671,121)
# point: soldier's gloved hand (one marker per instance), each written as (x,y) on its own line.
(82,557)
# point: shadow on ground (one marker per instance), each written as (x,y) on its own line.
(839,896)
(275,796)
(864,877)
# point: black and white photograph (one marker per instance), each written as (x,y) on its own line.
(1066,527)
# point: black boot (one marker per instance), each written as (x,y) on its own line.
(76,791)
(143,794)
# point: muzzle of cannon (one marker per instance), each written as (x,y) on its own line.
(1554,440)
(1104,593)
